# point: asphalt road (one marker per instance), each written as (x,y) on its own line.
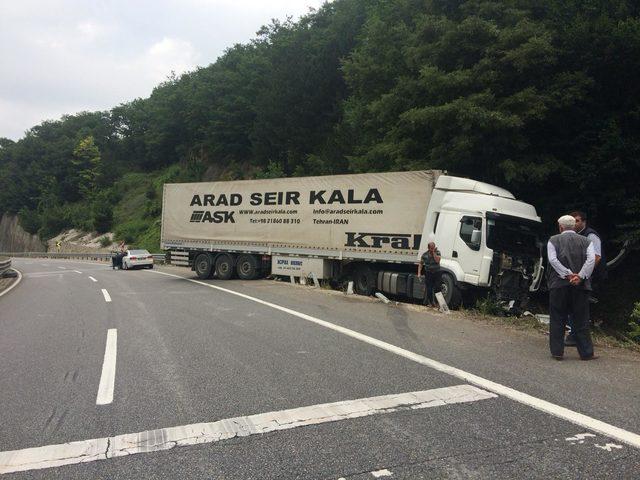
(188,354)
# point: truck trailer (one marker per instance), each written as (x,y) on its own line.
(370,228)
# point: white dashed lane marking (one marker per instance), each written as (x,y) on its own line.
(381,473)
(107,297)
(92,279)
(108,377)
(166,438)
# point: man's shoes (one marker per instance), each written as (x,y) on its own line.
(570,341)
(557,357)
(592,357)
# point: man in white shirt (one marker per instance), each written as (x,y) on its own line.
(572,259)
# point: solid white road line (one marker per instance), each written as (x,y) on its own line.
(167,438)
(92,279)
(14,284)
(576,418)
(107,297)
(108,377)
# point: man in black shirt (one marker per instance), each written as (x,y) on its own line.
(430,261)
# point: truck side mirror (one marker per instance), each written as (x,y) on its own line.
(476,236)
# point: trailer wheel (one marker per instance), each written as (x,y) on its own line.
(203,265)
(224,267)
(247,267)
(450,291)
(364,280)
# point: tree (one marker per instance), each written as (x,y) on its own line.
(88,166)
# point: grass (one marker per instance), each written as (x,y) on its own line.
(136,217)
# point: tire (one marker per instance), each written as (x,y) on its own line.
(202,265)
(450,291)
(247,267)
(224,267)
(364,280)
(150,267)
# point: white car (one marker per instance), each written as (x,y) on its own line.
(137,258)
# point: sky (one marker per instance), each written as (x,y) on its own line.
(65,56)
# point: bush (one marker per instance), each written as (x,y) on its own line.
(151,192)
(489,306)
(105,241)
(29,220)
(634,324)
(77,215)
(55,219)
(102,213)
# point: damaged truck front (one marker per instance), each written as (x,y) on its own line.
(488,240)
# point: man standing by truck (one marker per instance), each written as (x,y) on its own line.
(600,269)
(430,262)
(572,259)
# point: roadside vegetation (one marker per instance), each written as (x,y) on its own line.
(539,97)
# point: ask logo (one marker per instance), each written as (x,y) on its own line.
(206,216)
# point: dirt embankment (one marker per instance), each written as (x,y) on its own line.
(76,241)
(13,238)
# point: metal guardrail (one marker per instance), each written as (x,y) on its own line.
(4,265)
(102,257)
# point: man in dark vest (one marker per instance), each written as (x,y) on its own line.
(572,259)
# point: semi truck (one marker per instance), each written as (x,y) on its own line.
(367,228)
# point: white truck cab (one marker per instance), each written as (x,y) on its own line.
(486,237)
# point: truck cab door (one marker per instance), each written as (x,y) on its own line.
(467,248)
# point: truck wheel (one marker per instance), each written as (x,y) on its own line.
(247,267)
(364,280)
(203,265)
(450,291)
(224,267)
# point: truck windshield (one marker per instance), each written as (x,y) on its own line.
(509,234)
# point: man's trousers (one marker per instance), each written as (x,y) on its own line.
(431,287)
(565,301)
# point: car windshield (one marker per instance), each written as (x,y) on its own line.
(138,252)
(509,234)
